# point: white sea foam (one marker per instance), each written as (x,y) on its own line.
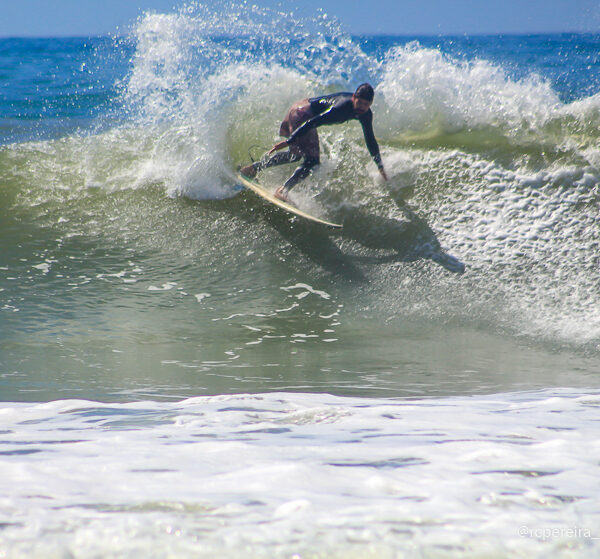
(275,475)
(427,89)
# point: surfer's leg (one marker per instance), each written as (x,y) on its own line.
(277,159)
(289,156)
(308,147)
(298,113)
(300,173)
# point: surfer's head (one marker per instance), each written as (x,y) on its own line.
(363,98)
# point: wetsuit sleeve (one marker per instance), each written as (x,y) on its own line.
(327,117)
(367,125)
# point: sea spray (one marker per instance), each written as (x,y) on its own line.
(212,80)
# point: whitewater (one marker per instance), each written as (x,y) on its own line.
(188,372)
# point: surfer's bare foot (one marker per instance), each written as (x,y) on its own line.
(248,171)
(281,194)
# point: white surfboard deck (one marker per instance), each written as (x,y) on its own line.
(270,197)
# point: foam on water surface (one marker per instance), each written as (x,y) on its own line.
(280,475)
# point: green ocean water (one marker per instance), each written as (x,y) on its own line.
(130,293)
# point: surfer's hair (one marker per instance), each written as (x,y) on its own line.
(365,91)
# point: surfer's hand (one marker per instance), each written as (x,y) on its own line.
(383,173)
(278,146)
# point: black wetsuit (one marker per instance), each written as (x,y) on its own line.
(336,109)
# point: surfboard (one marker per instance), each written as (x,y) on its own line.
(288,207)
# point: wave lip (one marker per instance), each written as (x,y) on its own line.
(426,90)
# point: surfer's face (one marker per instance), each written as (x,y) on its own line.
(361,106)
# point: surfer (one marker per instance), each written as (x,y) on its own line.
(299,127)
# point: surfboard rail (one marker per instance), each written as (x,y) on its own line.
(270,197)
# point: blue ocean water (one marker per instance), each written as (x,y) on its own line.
(58,86)
(187,372)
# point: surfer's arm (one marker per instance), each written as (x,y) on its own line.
(367,125)
(333,115)
(278,146)
(301,130)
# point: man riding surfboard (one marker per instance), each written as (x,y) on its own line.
(299,127)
